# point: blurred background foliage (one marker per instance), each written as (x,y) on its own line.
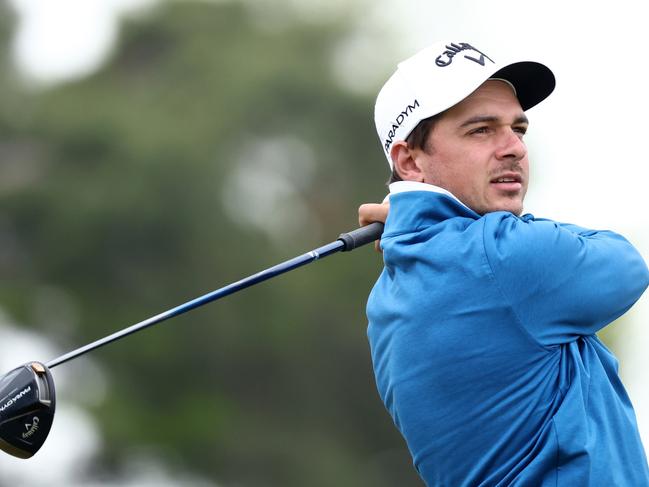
(210,146)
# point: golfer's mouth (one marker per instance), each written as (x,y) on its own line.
(508,182)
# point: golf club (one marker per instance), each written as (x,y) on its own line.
(27,398)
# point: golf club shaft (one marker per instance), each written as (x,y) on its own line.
(346,242)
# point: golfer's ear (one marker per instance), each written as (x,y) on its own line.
(405,163)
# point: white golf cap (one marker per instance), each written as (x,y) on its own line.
(444,74)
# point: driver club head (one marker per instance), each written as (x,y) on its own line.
(27,404)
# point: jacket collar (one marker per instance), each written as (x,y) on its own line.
(415,205)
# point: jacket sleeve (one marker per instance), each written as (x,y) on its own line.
(562,281)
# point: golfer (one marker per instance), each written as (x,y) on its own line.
(482,325)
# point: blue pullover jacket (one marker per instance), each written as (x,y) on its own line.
(482,335)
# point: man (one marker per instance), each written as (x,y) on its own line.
(482,324)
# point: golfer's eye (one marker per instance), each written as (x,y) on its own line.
(480,130)
(521,129)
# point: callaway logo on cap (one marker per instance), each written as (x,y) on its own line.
(442,75)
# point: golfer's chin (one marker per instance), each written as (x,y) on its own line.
(512,204)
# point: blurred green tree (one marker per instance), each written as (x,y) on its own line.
(209,147)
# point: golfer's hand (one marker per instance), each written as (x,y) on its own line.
(373,212)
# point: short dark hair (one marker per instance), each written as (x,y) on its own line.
(417,139)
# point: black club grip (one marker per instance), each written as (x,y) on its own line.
(361,236)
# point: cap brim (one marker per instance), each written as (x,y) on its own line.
(533,81)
